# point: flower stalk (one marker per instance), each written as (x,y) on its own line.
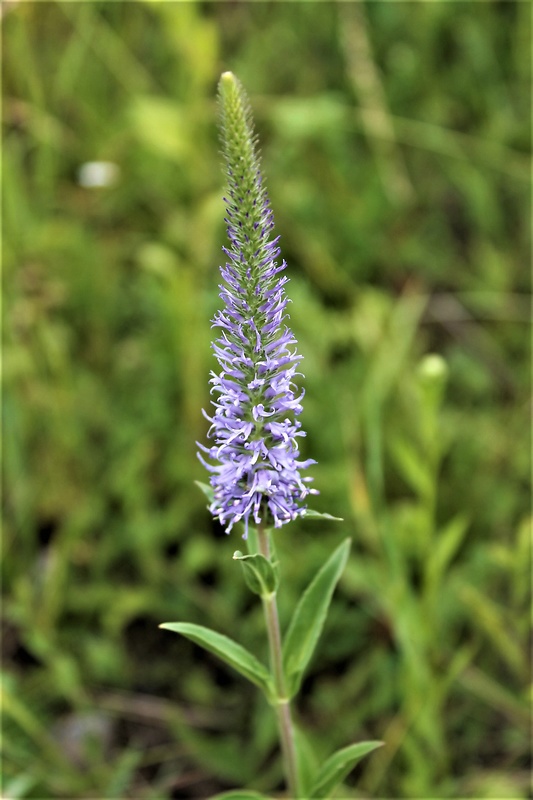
(283,707)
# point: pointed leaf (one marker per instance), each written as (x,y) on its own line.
(207,490)
(338,766)
(309,617)
(260,574)
(411,465)
(229,651)
(447,542)
(312,514)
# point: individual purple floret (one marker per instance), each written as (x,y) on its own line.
(256,475)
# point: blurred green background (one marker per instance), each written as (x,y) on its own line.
(396,145)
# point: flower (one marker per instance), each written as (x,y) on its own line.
(256,473)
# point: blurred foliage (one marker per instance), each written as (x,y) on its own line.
(396,143)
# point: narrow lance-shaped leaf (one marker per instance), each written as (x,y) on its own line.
(312,514)
(229,651)
(338,766)
(309,617)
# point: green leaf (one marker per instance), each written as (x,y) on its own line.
(338,766)
(261,576)
(207,490)
(311,514)
(309,617)
(306,762)
(19,786)
(229,651)
(411,465)
(447,542)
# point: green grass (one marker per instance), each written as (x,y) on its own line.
(396,143)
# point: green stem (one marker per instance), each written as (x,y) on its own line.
(283,708)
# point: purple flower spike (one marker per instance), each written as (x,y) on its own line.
(256,471)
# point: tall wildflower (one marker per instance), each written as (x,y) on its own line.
(256,474)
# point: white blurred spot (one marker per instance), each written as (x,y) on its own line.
(96,174)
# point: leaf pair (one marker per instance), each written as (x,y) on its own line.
(304,630)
